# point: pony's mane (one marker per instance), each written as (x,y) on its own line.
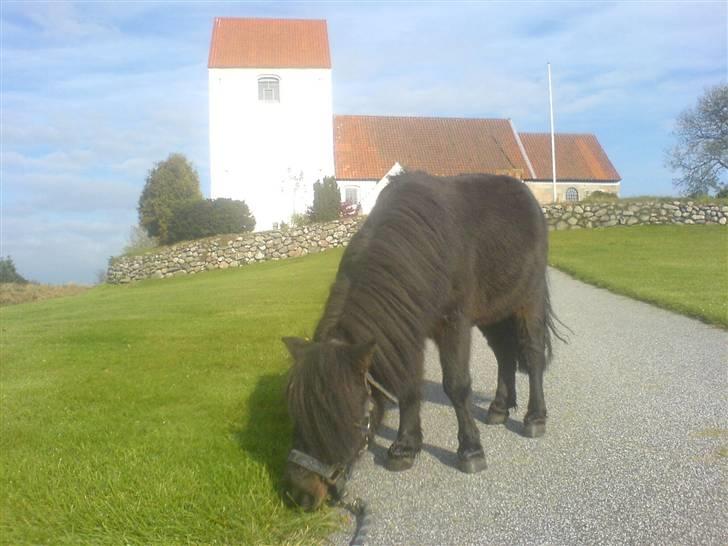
(326,416)
(390,281)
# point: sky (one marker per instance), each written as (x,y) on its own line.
(92,94)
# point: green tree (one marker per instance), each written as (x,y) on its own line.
(139,241)
(701,153)
(204,218)
(8,273)
(169,183)
(326,201)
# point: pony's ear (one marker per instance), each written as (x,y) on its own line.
(362,354)
(295,345)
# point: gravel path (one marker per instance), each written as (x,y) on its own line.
(636,447)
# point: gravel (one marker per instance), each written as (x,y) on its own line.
(636,447)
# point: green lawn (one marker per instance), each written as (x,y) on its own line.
(154,413)
(682,268)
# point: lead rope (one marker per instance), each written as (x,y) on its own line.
(361,512)
(358,507)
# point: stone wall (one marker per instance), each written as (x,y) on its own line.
(628,213)
(237,250)
(221,252)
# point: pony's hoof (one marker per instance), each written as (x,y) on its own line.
(400,457)
(398,464)
(496,417)
(534,429)
(472,464)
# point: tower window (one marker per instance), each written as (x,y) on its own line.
(269,89)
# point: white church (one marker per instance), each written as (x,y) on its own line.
(273,132)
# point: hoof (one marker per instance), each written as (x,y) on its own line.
(400,457)
(534,429)
(397,464)
(496,417)
(472,465)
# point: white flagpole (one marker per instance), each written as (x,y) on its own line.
(553,142)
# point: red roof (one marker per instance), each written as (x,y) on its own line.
(269,43)
(366,147)
(578,157)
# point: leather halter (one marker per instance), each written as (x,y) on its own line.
(335,475)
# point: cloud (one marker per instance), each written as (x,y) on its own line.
(94,94)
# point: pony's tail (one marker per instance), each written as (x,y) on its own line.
(550,326)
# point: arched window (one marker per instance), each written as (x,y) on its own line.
(269,89)
(572,194)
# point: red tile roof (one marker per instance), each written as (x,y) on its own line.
(269,43)
(366,147)
(578,157)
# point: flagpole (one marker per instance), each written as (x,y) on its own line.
(553,142)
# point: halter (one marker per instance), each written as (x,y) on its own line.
(335,475)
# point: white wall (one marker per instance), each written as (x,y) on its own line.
(257,149)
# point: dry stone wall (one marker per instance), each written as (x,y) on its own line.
(222,252)
(591,215)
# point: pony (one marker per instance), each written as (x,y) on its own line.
(436,256)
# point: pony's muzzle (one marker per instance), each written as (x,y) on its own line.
(304,488)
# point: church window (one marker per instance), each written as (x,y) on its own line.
(351,196)
(269,89)
(572,194)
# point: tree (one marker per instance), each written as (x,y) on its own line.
(701,152)
(8,273)
(204,218)
(326,201)
(139,241)
(169,183)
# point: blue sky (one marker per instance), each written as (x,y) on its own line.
(93,94)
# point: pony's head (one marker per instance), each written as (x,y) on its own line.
(328,401)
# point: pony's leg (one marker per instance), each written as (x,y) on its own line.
(453,341)
(402,452)
(532,341)
(503,340)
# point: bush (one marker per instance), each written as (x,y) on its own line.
(139,241)
(348,210)
(326,201)
(599,195)
(8,272)
(169,183)
(195,219)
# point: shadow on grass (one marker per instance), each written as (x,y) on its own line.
(265,431)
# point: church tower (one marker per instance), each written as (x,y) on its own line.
(271,119)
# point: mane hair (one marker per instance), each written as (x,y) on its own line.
(327,417)
(392,279)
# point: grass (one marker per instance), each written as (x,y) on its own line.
(14,293)
(154,413)
(681,268)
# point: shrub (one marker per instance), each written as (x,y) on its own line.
(326,201)
(194,219)
(599,195)
(139,241)
(8,273)
(348,210)
(169,183)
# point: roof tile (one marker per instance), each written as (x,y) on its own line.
(269,43)
(578,157)
(366,147)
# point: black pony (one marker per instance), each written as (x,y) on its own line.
(435,257)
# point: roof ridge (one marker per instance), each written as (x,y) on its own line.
(558,133)
(397,116)
(266,19)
